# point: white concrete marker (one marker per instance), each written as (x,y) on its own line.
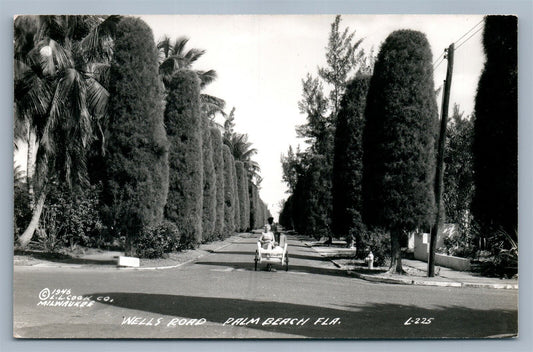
(129,261)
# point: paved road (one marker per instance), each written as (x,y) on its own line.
(207,298)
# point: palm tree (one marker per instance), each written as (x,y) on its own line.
(240,147)
(60,94)
(242,151)
(174,57)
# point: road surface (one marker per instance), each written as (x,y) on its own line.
(221,296)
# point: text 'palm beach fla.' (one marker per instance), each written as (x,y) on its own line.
(281,321)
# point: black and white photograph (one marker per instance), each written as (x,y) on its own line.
(265,176)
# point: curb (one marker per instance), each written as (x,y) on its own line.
(177,265)
(322,256)
(494,286)
(406,281)
(81,266)
(418,282)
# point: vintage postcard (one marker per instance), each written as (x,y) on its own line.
(265,176)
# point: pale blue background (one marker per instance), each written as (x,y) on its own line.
(524,10)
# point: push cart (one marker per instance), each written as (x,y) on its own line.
(277,255)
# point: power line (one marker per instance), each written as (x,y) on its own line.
(438,61)
(441,55)
(470,30)
(467,39)
(437,65)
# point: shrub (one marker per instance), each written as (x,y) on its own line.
(21,208)
(501,258)
(155,241)
(136,179)
(377,241)
(183,123)
(459,243)
(71,218)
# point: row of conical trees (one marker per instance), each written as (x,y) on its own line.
(371,167)
(111,111)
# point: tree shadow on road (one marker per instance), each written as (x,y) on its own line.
(373,320)
(65,258)
(297,268)
(291,255)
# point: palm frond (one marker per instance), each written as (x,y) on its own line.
(100,72)
(206,77)
(25,30)
(19,175)
(97,97)
(179,46)
(51,27)
(164,46)
(211,105)
(32,94)
(97,45)
(61,57)
(191,56)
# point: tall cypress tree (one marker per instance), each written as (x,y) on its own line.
(136,180)
(399,138)
(286,214)
(348,160)
(210,184)
(229,192)
(237,208)
(218,162)
(244,199)
(261,211)
(495,145)
(252,191)
(184,129)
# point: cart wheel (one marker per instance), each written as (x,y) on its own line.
(255,260)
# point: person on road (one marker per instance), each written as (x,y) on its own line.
(274,229)
(267,238)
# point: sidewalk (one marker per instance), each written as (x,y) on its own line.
(416,272)
(108,259)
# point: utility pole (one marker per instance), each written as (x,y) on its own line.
(440,160)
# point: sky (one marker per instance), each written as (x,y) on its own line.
(261,60)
